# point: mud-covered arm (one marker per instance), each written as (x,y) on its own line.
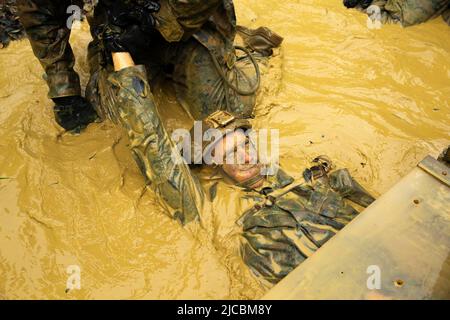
(152,148)
(45,23)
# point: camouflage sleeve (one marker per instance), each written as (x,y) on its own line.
(45,23)
(152,148)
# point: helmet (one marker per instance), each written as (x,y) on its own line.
(207,133)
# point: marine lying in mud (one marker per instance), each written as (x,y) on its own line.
(274,221)
(190,41)
(405,12)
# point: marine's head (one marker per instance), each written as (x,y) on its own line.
(226,142)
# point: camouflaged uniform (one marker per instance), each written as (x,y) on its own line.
(193,45)
(412,12)
(280,232)
(277,226)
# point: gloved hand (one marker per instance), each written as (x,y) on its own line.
(139,14)
(127,26)
(322,165)
(353,3)
(73,113)
(114,38)
(130,39)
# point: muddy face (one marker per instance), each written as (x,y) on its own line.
(240,159)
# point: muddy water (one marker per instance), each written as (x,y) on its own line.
(376,101)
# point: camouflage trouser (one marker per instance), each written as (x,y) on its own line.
(412,12)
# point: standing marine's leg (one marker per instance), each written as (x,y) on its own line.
(206,81)
(208,76)
(45,24)
(48,29)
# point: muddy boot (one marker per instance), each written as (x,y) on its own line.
(73,113)
(261,40)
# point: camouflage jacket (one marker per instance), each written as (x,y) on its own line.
(46,24)
(279,233)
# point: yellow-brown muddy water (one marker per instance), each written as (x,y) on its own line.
(375,101)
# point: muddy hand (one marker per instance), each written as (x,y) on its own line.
(353,3)
(113,39)
(140,14)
